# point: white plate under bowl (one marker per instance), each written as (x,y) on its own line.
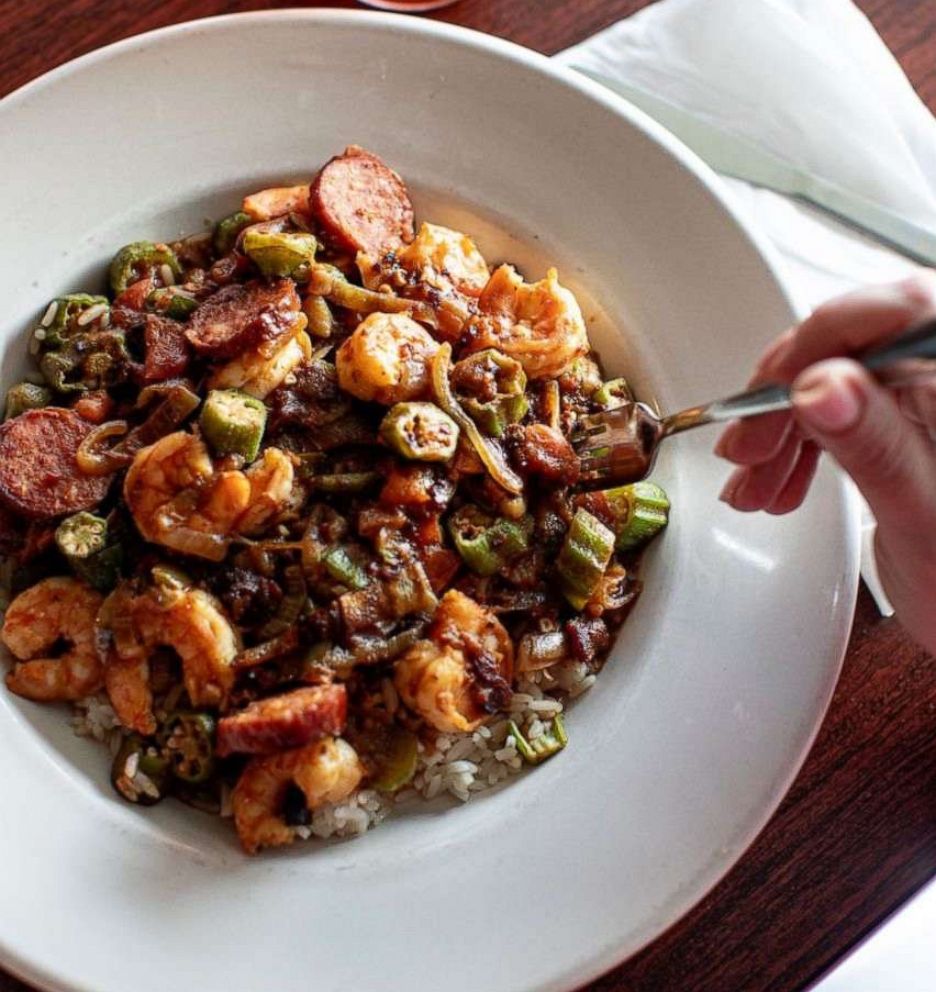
(718,682)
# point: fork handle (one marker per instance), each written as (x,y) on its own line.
(910,357)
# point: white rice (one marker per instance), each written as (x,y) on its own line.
(92,313)
(457,765)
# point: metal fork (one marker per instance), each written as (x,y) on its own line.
(620,445)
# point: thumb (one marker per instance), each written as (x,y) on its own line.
(860,424)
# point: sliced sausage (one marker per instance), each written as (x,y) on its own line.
(167,351)
(269,726)
(239,317)
(537,449)
(361,203)
(39,476)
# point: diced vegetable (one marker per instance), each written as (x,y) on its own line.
(344,482)
(487,450)
(139,259)
(536,651)
(344,569)
(318,313)
(540,748)
(140,772)
(613,393)
(84,541)
(25,396)
(393,751)
(641,511)
(62,316)
(89,359)
(486,544)
(233,423)
(280,255)
(277,202)
(491,388)
(172,302)
(187,739)
(290,606)
(420,431)
(226,231)
(330,282)
(585,554)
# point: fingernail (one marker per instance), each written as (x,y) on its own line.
(734,483)
(826,398)
(724,444)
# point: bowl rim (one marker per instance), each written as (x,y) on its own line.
(45,976)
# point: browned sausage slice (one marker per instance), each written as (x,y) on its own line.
(362,203)
(39,476)
(167,351)
(239,317)
(280,722)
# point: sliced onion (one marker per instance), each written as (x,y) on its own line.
(490,453)
(290,605)
(537,651)
(164,389)
(196,542)
(276,647)
(180,401)
(93,459)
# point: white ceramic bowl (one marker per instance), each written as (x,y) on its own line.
(718,682)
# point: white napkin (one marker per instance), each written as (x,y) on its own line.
(801,96)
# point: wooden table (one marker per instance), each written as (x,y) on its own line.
(857,834)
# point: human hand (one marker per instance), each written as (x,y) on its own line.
(884,439)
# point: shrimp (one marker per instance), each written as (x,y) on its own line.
(259,370)
(441,267)
(539,324)
(386,359)
(188,620)
(50,612)
(326,771)
(178,499)
(462,672)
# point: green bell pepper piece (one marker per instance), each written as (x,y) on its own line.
(280,254)
(486,544)
(225,233)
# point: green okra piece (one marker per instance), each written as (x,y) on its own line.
(420,431)
(136,260)
(25,396)
(233,422)
(84,540)
(641,511)
(584,556)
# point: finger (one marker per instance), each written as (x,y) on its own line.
(797,485)
(859,423)
(856,321)
(754,487)
(756,440)
(753,441)
(918,403)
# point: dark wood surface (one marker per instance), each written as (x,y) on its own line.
(857,834)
